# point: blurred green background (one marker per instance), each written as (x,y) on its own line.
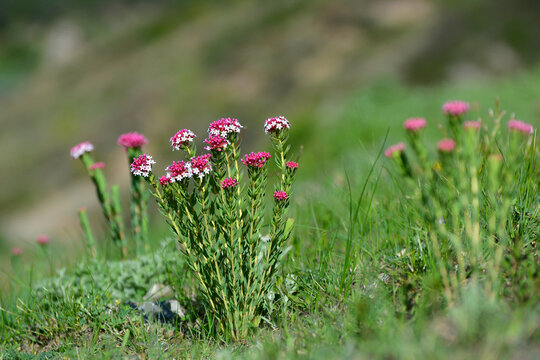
(343,72)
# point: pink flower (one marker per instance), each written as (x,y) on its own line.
(475,125)
(182,138)
(16,251)
(132,140)
(520,126)
(216,142)
(256,159)
(98,165)
(280,195)
(178,171)
(224,127)
(446,145)
(415,124)
(84,147)
(42,240)
(201,165)
(142,165)
(292,165)
(455,108)
(276,124)
(164,180)
(394,149)
(229,183)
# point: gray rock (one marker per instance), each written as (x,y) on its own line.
(158,291)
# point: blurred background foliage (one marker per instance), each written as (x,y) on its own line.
(342,71)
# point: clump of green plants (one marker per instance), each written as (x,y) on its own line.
(217,217)
(475,202)
(110,199)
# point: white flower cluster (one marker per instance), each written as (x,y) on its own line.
(224,127)
(182,138)
(276,124)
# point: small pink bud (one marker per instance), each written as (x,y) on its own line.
(446,145)
(455,108)
(164,180)
(98,165)
(280,195)
(415,124)
(520,126)
(474,125)
(397,148)
(229,183)
(132,140)
(292,165)
(43,240)
(16,251)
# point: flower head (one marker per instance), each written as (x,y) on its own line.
(257,159)
(132,140)
(474,125)
(216,142)
(98,165)
(84,147)
(394,149)
(293,165)
(280,195)
(182,138)
(178,171)
(164,180)
(224,127)
(42,240)
(446,145)
(16,251)
(520,126)
(142,165)
(415,124)
(201,165)
(455,108)
(229,183)
(276,124)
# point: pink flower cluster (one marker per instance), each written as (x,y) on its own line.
(229,183)
(142,165)
(280,195)
(276,124)
(415,124)
(446,145)
(98,165)
(216,142)
(455,108)
(201,165)
(475,125)
(182,138)
(394,149)
(293,165)
(84,147)
(520,126)
(257,159)
(178,171)
(132,140)
(223,127)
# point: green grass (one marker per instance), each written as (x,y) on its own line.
(348,291)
